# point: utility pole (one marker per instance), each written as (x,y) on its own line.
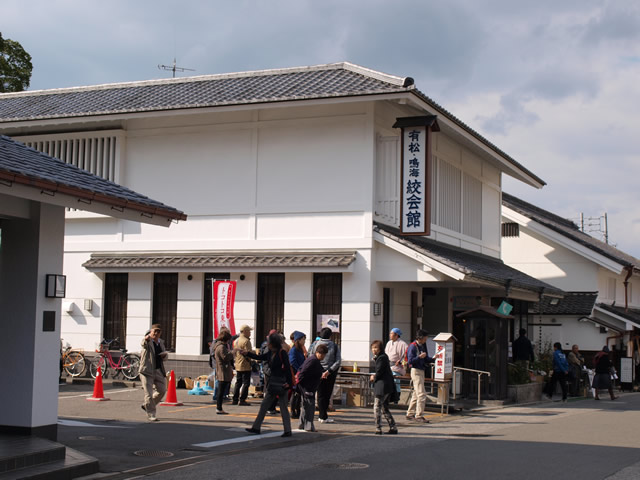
(173,68)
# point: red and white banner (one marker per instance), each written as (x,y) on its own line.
(224,295)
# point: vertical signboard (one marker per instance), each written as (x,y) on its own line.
(444,356)
(415,207)
(224,295)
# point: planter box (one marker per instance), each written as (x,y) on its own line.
(526,393)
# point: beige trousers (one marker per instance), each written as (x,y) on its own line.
(418,395)
(151,398)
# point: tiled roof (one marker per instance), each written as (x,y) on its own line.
(475,266)
(573,303)
(290,84)
(230,260)
(569,229)
(25,166)
(631,314)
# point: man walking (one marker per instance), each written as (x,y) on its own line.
(152,372)
(243,367)
(560,370)
(419,360)
(396,350)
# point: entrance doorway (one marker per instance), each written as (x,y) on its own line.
(270,308)
(486,349)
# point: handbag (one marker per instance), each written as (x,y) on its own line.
(276,385)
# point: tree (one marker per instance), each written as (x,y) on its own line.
(15,66)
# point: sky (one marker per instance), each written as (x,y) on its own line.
(553,84)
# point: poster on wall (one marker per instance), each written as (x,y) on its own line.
(224,295)
(330,321)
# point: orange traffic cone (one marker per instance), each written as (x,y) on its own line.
(98,393)
(172,396)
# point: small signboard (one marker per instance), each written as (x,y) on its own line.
(505,308)
(330,321)
(626,370)
(444,356)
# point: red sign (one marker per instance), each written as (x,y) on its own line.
(224,295)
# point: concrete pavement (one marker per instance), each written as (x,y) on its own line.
(581,439)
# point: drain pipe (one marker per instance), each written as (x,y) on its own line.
(629,270)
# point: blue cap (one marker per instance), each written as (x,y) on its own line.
(397,331)
(298,335)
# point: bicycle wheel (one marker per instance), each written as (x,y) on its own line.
(74,363)
(97,362)
(130,366)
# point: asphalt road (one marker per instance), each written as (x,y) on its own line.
(582,439)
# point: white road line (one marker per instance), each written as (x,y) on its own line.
(77,423)
(247,438)
(91,394)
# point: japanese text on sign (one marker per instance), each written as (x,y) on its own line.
(413,180)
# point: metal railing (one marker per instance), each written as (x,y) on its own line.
(478,372)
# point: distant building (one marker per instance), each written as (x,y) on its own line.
(602,305)
(292,180)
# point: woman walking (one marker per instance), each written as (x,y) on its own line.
(602,380)
(383,387)
(224,367)
(280,382)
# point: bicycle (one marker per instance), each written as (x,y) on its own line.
(128,363)
(73,362)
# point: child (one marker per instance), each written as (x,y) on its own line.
(309,376)
(383,387)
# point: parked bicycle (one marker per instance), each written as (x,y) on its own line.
(127,363)
(73,361)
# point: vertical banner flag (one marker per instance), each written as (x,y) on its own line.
(415,173)
(224,295)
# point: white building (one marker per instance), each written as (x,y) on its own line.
(602,305)
(34,191)
(292,183)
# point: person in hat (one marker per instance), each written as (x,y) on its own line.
(243,366)
(152,372)
(296,359)
(602,380)
(396,350)
(224,367)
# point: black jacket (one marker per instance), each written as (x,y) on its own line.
(383,381)
(278,363)
(522,349)
(310,374)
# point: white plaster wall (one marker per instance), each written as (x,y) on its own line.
(189,314)
(298,306)
(139,308)
(81,328)
(547,261)
(569,331)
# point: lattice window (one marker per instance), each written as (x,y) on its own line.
(449,196)
(510,229)
(387,180)
(472,204)
(95,152)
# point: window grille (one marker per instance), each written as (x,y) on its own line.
(510,229)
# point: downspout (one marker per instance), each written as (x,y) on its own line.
(629,270)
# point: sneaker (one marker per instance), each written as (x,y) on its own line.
(421,420)
(392,431)
(328,420)
(244,403)
(272,412)
(410,417)
(378,432)
(220,412)
(152,418)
